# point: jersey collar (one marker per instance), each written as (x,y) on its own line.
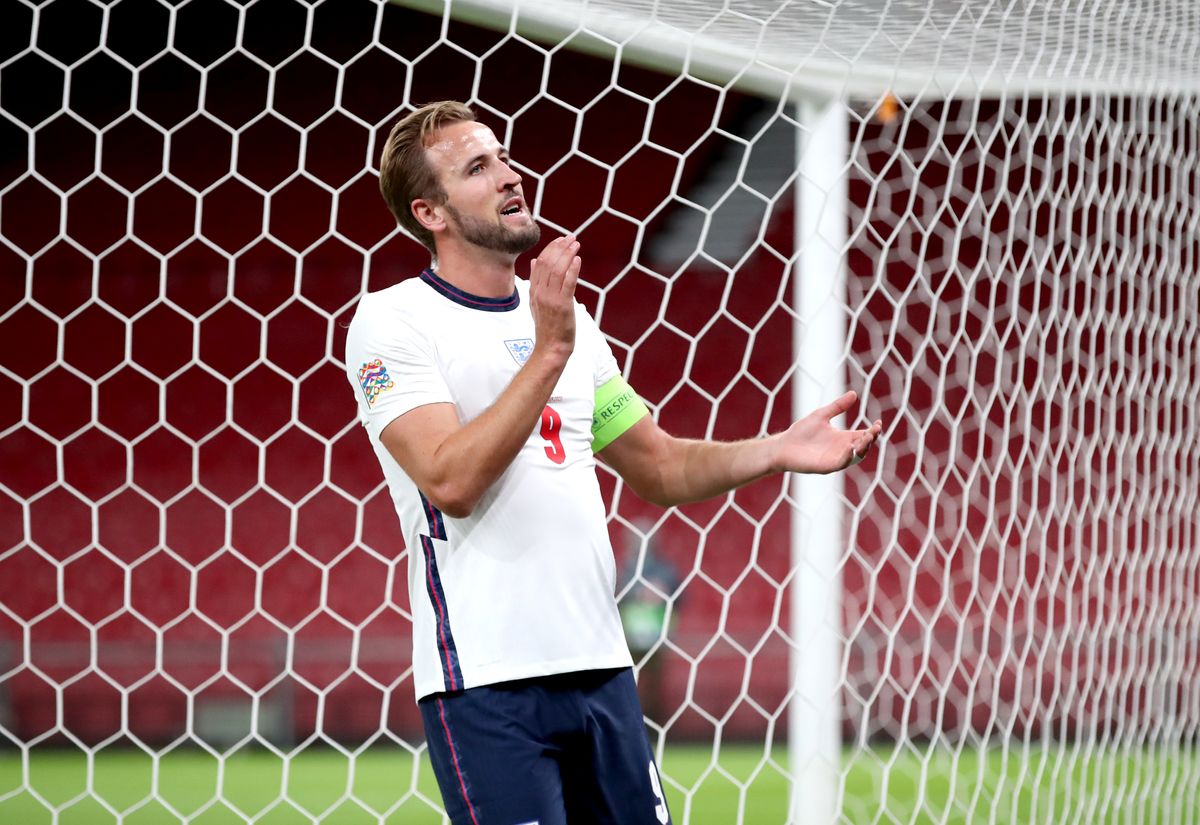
(468,300)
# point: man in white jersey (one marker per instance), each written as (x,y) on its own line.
(486,397)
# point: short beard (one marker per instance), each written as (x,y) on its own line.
(495,236)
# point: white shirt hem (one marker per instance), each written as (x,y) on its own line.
(502,672)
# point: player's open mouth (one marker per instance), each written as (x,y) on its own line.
(513,207)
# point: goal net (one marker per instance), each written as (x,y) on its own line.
(981,216)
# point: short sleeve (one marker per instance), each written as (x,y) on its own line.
(391,367)
(604,363)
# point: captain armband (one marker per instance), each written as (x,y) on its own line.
(617,409)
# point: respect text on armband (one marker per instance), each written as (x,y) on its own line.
(611,409)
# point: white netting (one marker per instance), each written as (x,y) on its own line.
(203,609)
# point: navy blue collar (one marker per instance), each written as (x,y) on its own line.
(467,299)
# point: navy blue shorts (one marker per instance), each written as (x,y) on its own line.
(547,751)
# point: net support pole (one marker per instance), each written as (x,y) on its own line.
(819,338)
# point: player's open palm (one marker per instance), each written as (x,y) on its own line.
(814,445)
(552,278)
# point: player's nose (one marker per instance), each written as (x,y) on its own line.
(509,177)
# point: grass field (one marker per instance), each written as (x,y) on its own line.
(906,785)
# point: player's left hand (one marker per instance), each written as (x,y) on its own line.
(814,445)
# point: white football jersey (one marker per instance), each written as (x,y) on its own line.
(524,586)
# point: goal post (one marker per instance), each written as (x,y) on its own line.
(981,217)
(818,538)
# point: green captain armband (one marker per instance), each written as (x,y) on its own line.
(617,409)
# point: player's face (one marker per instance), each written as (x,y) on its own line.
(484,204)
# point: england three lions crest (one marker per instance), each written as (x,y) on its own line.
(520,349)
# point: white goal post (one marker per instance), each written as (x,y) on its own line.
(984,217)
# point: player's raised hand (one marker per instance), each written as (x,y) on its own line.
(552,278)
(814,445)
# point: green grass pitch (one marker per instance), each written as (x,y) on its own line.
(905,784)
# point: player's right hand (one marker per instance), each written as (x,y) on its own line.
(552,278)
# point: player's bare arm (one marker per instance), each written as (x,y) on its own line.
(454,464)
(667,470)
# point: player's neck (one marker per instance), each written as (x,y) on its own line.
(480,272)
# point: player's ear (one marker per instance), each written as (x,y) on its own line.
(428,214)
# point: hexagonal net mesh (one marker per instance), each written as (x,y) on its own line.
(203,598)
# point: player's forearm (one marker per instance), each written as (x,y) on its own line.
(669,471)
(470,460)
(696,470)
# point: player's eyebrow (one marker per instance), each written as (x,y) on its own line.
(474,160)
(501,152)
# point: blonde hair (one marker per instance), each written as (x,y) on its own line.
(404,172)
